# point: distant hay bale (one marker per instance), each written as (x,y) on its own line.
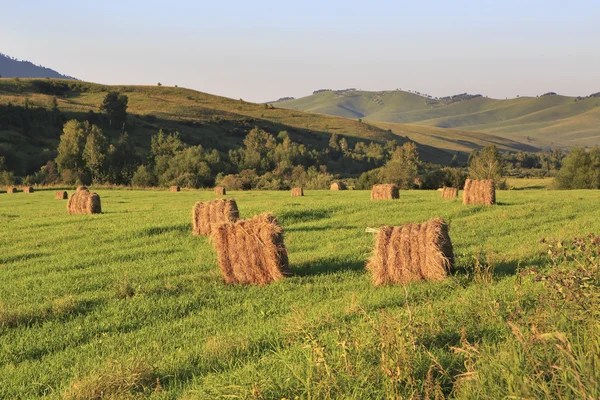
(449,193)
(11,190)
(220,191)
(209,213)
(28,189)
(479,192)
(338,186)
(80,188)
(251,251)
(62,195)
(175,189)
(385,192)
(297,192)
(84,202)
(412,252)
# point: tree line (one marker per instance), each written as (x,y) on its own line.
(268,161)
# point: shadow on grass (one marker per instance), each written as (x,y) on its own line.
(22,257)
(286,217)
(319,228)
(159,230)
(325,266)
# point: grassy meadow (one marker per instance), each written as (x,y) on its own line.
(128,304)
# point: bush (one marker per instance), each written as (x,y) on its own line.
(143,177)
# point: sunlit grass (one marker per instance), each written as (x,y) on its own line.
(84,298)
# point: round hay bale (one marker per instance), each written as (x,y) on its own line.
(11,190)
(297,192)
(412,252)
(209,213)
(62,195)
(479,192)
(338,186)
(28,189)
(80,188)
(251,251)
(449,193)
(84,202)
(385,192)
(220,191)
(174,189)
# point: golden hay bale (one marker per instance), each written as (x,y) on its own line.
(385,192)
(412,252)
(479,192)
(220,191)
(338,186)
(84,202)
(11,190)
(80,188)
(251,251)
(28,189)
(297,192)
(209,213)
(174,189)
(449,193)
(62,195)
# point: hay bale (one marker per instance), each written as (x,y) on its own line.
(11,190)
(209,213)
(80,188)
(28,189)
(251,251)
(297,192)
(220,191)
(412,252)
(62,195)
(338,186)
(84,202)
(385,192)
(449,193)
(479,192)
(174,189)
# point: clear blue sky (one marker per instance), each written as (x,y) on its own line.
(262,50)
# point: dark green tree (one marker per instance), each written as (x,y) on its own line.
(115,107)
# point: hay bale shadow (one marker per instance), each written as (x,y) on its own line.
(160,230)
(320,228)
(326,266)
(287,217)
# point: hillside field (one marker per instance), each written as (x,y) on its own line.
(129,304)
(545,121)
(200,118)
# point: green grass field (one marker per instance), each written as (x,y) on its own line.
(129,304)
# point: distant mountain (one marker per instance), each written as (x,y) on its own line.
(550,120)
(11,68)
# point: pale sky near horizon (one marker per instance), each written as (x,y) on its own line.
(264,50)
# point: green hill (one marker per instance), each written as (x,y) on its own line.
(546,121)
(213,121)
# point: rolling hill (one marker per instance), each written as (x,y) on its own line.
(13,68)
(213,121)
(547,121)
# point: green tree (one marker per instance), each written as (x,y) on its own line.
(334,142)
(403,167)
(94,152)
(143,177)
(115,107)
(70,150)
(259,147)
(580,170)
(486,164)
